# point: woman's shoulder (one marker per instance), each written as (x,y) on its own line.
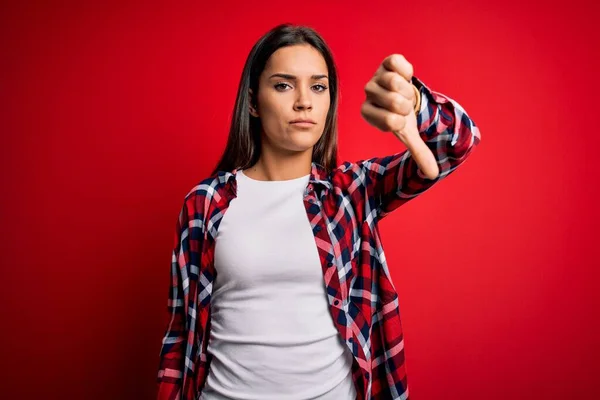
(206,186)
(204,189)
(348,173)
(348,167)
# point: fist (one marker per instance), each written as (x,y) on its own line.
(389,106)
(390,98)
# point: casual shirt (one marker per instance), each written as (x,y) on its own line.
(344,207)
(271,335)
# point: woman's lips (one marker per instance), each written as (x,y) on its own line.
(303,124)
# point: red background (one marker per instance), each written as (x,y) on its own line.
(110,113)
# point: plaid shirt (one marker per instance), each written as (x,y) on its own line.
(343,207)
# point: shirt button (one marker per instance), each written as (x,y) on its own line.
(336,302)
(329,264)
(317,228)
(367,375)
(351,340)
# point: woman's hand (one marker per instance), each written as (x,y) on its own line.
(389,107)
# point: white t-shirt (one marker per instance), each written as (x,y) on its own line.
(272,335)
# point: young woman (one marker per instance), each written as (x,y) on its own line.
(280,287)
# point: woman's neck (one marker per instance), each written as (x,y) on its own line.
(280,167)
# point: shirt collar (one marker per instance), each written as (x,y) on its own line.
(320,176)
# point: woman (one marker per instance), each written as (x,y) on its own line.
(280,287)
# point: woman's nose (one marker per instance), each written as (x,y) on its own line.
(303,101)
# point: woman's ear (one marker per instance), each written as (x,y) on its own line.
(252,101)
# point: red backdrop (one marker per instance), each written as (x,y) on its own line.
(111,113)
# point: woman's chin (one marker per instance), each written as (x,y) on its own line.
(301,145)
(301,141)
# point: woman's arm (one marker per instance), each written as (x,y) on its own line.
(172,352)
(445,129)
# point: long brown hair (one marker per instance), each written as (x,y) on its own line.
(243,144)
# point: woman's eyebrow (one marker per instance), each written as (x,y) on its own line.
(293,77)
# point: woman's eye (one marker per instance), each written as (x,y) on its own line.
(281,87)
(277,86)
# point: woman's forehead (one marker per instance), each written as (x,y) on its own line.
(303,61)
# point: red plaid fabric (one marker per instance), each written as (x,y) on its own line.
(344,207)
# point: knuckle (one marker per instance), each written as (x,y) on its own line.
(396,104)
(399,59)
(397,82)
(399,103)
(369,87)
(406,106)
(390,120)
(363,108)
(390,80)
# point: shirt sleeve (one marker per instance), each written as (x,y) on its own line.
(447,131)
(172,352)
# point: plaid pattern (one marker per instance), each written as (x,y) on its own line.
(344,207)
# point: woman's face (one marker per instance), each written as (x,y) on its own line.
(294,85)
